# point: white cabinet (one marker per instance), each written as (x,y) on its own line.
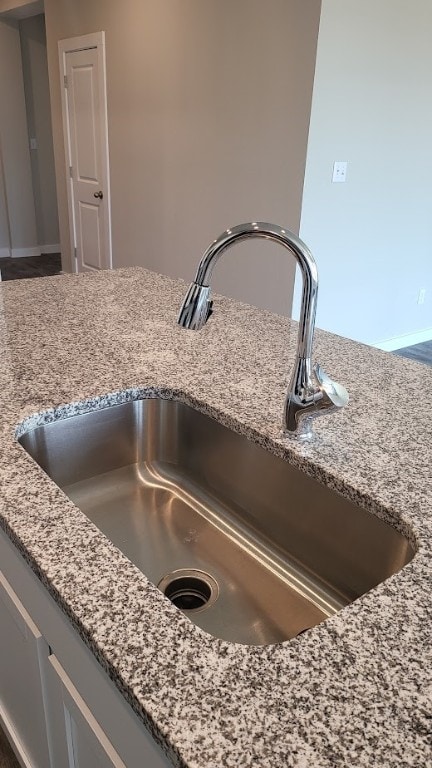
(22,708)
(77,739)
(57,705)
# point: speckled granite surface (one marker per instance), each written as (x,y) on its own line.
(354,691)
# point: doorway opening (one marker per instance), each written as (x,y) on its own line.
(29,227)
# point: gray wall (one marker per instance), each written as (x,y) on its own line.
(14,142)
(36,87)
(21,8)
(208,112)
(372,106)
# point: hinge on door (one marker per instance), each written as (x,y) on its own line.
(71,171)
(75,252)
(65,81)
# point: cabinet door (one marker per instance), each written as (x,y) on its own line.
(78,741)
(22,710)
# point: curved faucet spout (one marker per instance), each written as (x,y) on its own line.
(305,398)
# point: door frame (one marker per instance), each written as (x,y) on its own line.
(69,45)
(4,194)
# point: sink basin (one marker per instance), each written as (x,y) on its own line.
(251,549)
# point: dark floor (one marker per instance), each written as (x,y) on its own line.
(30,266)
(420,352)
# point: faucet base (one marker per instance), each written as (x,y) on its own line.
(304,433)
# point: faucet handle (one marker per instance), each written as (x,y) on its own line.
(334,393)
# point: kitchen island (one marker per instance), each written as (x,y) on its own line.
(354,691)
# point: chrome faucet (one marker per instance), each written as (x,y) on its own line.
(310,392)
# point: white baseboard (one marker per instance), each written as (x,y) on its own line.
(53,248)
(36,250)
(21,253)
(398,342)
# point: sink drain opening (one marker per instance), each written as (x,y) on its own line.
(188,593)
(190,590)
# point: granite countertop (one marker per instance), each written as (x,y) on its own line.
(355,690)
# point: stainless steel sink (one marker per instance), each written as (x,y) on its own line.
(251,549)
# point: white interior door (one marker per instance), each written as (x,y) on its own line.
(82,62)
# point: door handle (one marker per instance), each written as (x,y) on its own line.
(98,194)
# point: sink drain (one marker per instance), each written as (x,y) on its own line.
(190,589)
